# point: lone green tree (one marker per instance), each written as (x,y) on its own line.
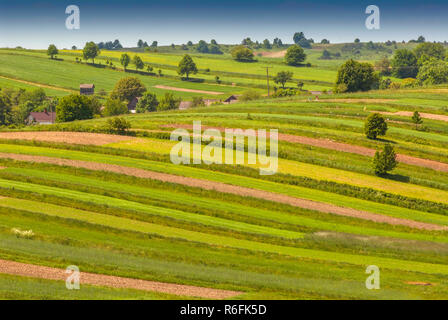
(187,66)
(125,59)
(384,161)
(283,77)
(242,53)
(52,51)
(417,119)
(126,89)
(90,51)
(375,126)
(295,55)
(138,63)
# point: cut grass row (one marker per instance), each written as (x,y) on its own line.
(93,259)
(130,205)
(230,208)
(293,191)
(301,169)
(386,263)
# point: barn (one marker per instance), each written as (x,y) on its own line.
(86,89)
(41,117)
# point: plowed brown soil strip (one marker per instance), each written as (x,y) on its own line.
(85,138)
(34,271)
(226,188)
(159,86)
(339,146)
(431,116)
(276,54)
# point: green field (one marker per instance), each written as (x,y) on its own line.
(106,218)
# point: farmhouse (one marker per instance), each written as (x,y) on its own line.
(133,104)
(86,89)
(231,99)
(41,117)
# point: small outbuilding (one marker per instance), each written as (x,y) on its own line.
(41,117)
(231,99)
(133,105)
(86,89)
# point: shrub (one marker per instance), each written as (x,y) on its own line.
(147,103)
(250,95)
(26,234)
(375,126)
(409,83)
(168,102)
(115,107)
(341,88)
(118,125)
(384,161)
(198,102)
(241,53)
(284,93)
(417,119)
(385,84)
(395,85)
(295,56)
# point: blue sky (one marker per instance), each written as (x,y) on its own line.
(35,24)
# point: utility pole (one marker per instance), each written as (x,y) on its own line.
(267,77)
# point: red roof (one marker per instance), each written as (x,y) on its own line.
(43,116)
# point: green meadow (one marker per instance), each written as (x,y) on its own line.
(116,222)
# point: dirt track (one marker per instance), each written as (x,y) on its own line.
(276,54)
(85,138)
(39,84)
(187,90)
(430,116)
(231,189)
(339,146)
(34,271)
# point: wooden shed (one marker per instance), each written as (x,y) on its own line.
(86,89)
